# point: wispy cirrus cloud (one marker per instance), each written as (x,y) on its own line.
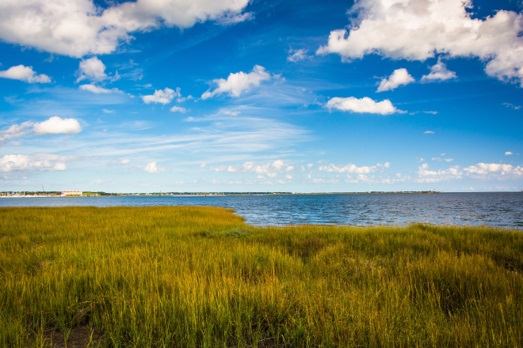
(98,90)
(297,55)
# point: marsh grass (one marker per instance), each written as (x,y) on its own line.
(201,277)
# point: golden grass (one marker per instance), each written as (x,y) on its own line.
(201,277)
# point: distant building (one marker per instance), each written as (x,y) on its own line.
(71,193)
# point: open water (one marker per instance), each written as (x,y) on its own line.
(490,209)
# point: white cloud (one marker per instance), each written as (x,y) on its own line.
(10,163)
(266,170)
(442,159)
(364,105)
(233,18)
(420,29)
(57,125)
(429,132)
(77,28)
(508,153)
(53,125)
(512,106)
(15,131)
(238,83)
(357,174)
(178,109)
(151,167)
(500,171)
(162,96)
(98,90)
(481,171)
(92,69)
(426,175)
(24,73)
(353,169)
(297,55)
(400,77)
(439,72)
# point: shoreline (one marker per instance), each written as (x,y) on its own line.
(12,194)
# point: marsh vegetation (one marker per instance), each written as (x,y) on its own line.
(201,277)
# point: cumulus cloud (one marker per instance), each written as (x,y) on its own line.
(92,69)
(238,83)
(426,175)
(151,167)
(429,132)
(297,55)
(400,77)
(362,106)
(98,90)
(24,73)
(265,170)
(10,163)
(15,131)
(483,170)
(356,174)
(353,169)
(162,96)
(508,153)
(178,109)
(53,125)
(420,29)
(77,28)
(439,72)
(57,125)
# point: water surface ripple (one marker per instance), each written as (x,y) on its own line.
(491,209)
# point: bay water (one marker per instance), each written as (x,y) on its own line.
(499,209)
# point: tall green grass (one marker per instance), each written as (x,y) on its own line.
(201,277)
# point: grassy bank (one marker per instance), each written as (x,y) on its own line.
(191,277)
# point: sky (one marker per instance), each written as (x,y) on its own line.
(257,96)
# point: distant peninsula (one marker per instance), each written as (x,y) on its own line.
(79,193)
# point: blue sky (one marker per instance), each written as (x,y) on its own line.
(238,95)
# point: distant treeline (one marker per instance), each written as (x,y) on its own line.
(101,193)
(50,193)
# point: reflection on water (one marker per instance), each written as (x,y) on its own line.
(493,209)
